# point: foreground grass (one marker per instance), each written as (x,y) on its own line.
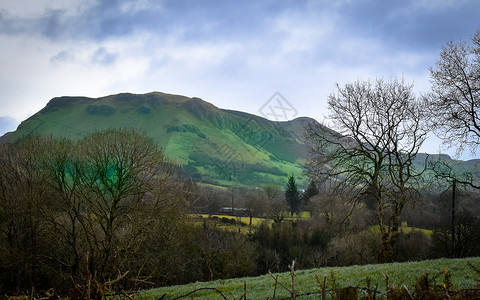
(305,281)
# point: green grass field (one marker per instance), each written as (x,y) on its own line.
(261,287)
(256,222)
(405,229)
(245,220)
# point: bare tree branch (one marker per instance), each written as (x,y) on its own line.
(380,130)
(455,98)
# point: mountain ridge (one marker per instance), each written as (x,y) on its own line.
(212,145)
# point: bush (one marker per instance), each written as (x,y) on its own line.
(283,242)
(413,246)
(354,249)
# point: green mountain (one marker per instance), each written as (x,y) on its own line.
(212,145)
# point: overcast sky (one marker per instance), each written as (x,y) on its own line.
(234,54)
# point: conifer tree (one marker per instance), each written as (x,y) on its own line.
(311,191)
(292,195)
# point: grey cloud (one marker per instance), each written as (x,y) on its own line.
(398,23)
(103,57)
(110,18)
(62,57)
(12,26)
(402,24)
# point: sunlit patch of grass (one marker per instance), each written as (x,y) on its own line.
(256,222)
(408,230)
(405,229)
(300,215)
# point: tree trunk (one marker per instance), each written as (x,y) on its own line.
(387,251)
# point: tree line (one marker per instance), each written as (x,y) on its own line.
(75,208)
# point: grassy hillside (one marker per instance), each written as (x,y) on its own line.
(212,145)
(399,274)
(220,147)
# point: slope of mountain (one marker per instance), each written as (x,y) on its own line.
(212,145)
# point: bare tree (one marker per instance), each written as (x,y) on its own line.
(447,171)
(455,98)
(335,212)
(277,206)
(123,177)
(256,202)
(87,209)
(272,192)
(208,200)
(24,200)
(380,130)
(65,216)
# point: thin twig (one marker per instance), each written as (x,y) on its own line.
(292,274)
(282,285)
(115,280)
(408,293)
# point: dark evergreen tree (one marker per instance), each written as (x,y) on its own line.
(292,195)
(311,191)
